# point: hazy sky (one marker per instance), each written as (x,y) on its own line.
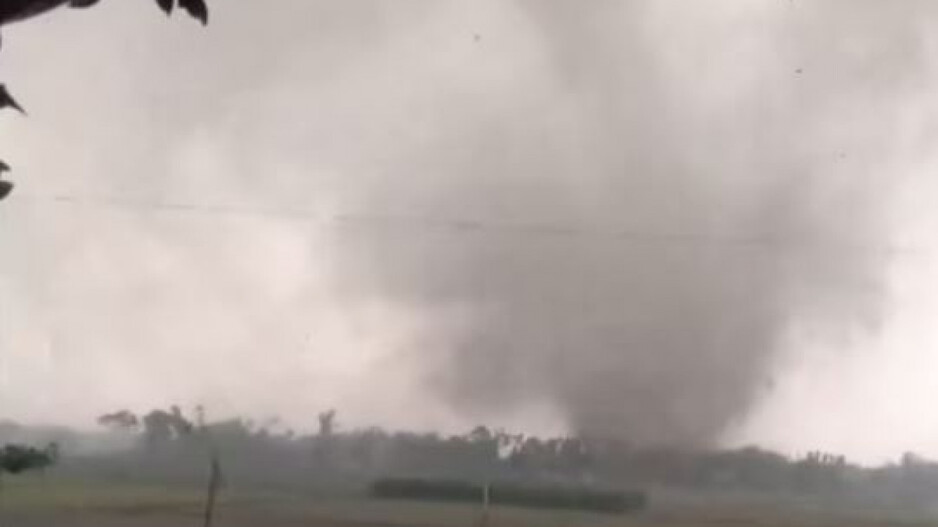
(435,213)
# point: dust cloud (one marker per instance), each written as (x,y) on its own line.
(634,228)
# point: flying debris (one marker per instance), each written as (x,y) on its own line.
(7,100)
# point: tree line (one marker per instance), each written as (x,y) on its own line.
(172,446)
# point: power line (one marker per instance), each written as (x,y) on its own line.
(463,226)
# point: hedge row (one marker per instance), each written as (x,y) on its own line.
(19,458)
(511,494)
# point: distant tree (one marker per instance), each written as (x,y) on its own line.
(480,434)
(160,426)
(180,425)
(327,423)
(157,428)
(122,421)
(820,471)
(912,460)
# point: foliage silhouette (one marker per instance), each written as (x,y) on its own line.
(19,10)
(16,459)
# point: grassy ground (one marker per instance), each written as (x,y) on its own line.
(41,502)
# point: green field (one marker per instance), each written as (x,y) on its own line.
(36,501)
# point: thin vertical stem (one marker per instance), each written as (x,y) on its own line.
(213,482)
(486,500)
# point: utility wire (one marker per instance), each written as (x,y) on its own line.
(461,226)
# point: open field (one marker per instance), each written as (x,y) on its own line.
(35,502)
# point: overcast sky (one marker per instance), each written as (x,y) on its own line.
(366,204)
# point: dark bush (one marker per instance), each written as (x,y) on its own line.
(445,490)
(18,458)
(579,498)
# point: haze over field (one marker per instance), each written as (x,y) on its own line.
(690,223)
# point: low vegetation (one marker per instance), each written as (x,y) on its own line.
(170,448)
(16,459)
(565,497)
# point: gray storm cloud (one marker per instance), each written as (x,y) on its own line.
(621,210)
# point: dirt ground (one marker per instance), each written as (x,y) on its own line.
(365,514)
(51,503)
